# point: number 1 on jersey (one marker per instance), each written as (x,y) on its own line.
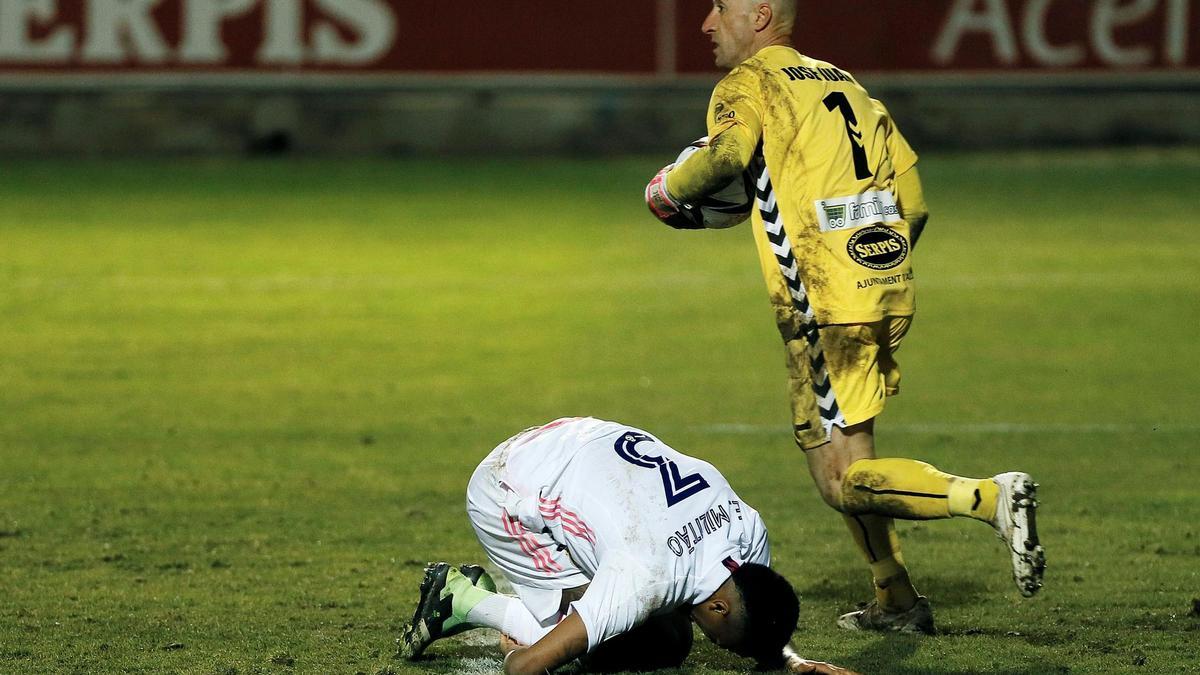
(838,100)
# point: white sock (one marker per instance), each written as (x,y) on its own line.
(489,612)
(508,615)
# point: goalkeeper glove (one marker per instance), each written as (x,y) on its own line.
(677,215)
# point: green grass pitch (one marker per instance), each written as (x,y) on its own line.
(239,401)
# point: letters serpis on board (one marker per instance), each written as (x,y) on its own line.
(194,32)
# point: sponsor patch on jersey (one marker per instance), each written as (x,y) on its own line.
(850,213)
(720,113)
(890,280)
(877,248)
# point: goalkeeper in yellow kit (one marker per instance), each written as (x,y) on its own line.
(838,211)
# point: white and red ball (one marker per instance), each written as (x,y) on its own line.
(728,206)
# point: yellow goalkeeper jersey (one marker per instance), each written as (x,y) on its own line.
(825,156)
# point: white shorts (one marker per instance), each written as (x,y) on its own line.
(538,568)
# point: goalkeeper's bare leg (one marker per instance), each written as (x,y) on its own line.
(871,492)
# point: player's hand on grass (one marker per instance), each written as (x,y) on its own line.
(816,668)
(794,663)
(677,215)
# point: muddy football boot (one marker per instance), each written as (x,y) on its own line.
(447,596)
(478,577)
(1015,524)
(918,619)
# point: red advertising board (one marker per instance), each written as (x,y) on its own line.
(615,37)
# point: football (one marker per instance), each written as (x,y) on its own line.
(729,205)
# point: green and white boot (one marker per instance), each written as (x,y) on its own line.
(447,595)
(479,577)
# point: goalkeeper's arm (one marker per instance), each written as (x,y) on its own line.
(715,165)
(911,200)
(734,127)
(712,167)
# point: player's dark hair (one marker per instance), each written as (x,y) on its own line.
(772,611)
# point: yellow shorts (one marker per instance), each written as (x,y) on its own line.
(843,376)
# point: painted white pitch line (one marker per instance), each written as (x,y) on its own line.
(481,665)
(968,428)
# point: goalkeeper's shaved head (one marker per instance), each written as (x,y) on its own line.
(785,13)
(740,28)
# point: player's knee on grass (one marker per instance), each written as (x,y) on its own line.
(662,642)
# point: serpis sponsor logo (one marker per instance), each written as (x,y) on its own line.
(131,34)
(877,248)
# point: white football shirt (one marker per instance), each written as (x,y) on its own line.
(652,528)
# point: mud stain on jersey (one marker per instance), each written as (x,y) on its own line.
(718,164)
(787,108)
(848,348)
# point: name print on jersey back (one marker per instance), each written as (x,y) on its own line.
(685,539)
(796,73)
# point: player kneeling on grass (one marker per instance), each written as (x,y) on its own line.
(613,543)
